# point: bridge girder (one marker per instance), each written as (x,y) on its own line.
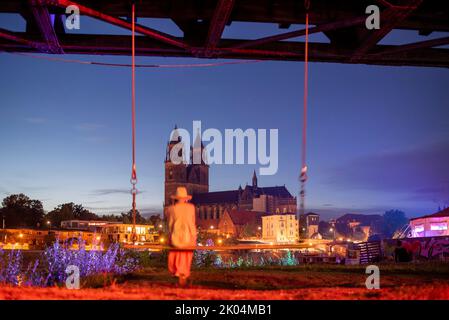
(203,23)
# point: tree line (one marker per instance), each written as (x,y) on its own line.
(19,211)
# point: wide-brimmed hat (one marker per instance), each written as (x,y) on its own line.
(181,194)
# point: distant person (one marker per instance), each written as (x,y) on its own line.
(182,234)
(401,254)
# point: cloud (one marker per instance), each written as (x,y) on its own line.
(36,120)
(421,172)
(105,192)
(4,191)
(95,139)
(90,132)
(144,210)
(88,127)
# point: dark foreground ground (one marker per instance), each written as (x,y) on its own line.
(407,281)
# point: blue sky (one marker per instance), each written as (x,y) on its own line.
(378,136)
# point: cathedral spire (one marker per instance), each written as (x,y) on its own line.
(254,179)
(198,143)
(198,149)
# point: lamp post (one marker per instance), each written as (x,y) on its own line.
(3,227)
(333,232)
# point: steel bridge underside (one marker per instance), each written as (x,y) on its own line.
(202,23)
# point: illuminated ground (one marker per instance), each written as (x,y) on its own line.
(421,281)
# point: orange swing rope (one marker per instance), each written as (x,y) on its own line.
(133,107)
(303,175)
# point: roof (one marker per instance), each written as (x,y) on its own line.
(243,217)
(276,191)
(439,214)
(216,197)
(232,196)
(364,219)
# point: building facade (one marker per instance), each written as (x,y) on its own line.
(121,232)
(241,224)
(280,228)
(358,226)
(210,206)
(309,223)
(38,238)
(88,225)
(432,225)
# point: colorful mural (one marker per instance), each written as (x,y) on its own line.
(429,247)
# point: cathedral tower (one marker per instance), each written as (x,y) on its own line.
(193,176)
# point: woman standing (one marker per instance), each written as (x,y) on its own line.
(182,234)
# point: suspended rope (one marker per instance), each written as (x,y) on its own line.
(303,175)
(133,107)
(110,64)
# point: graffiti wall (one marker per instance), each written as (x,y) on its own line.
(422,247)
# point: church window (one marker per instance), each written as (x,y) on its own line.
(217,213)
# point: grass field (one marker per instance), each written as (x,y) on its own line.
(398,281)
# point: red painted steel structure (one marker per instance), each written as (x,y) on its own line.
(203,22)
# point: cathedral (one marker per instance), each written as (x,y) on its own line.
(210,206)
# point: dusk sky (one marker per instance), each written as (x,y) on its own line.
(378,136)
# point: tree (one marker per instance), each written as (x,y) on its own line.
(128,217)
(393,220)
(21,211)
(249,230)
(326,230)
(155,220)
(69,211)
(111,217)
